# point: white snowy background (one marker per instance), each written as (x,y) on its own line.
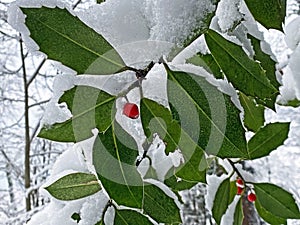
(128,24)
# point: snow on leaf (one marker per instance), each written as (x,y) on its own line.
(254,117)
(207,115)
(68,40)
(244,73)
(270,13)
(91,108)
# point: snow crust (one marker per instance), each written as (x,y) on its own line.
(71,161)
(142,31)
(225,8)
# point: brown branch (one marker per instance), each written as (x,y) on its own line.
(27,128)
(235,169)
(36,72)
(38,103)
(76,4)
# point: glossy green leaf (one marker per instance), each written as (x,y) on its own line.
(244,73)
(277,201)
(91,108)
(188,174)
(233,191)
(293,103)
(222,200)
(208,63)
(114,156)
(160,206)
(238,215)
(268,64)
(130,217)
(158,119)
(65,38)
(100,1)
(207,115)
(270,13)
(267,139)
(74,186)
(267,216)
(254,114)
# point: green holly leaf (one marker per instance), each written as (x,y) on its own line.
(270,13)
(267,139)
(244,73)
(158,119)
(65,38)
(267,216)
(114,157)
(151,173)
(74,186)
(222,200)
(160,206)
(91,108)
(188,174)
(238,216)
(265,60)
(254,114)
(207,116)
(130,217)
(208,63)
(277,201)
(293,103)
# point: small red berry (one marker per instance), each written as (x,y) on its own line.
(239,182)
(251,197)
(131,110)
(239,190)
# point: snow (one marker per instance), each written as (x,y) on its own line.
(295,68)
(84,207)
(160,161)
(142,31)
(228,216)
(225,8)
(292,31)
(173,20)
(213,183)
(54,112)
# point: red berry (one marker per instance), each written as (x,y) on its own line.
(239,182)
(131,110)
(251,197)
(239,190)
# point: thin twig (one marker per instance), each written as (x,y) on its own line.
(235,169)
(36,72)
(39,103)
(76,4)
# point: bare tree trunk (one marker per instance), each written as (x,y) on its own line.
(10,184)
(27,130)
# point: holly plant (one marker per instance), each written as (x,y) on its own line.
(201,121)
